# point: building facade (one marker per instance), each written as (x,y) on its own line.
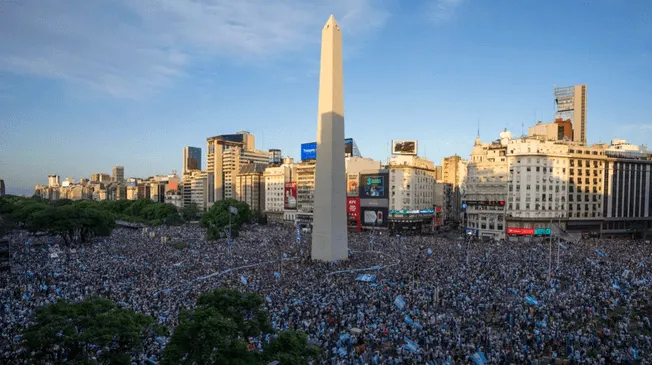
(53,181)
(454,173)
(571,105)
(118,174)
(276,178)
(249,186)
(191,159)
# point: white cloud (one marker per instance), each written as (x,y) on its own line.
(132,48)
(441,11)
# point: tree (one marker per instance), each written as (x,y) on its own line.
(217,217)
(190,212)
(74,332)
(215,332)
(290,348)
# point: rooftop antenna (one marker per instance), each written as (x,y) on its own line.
(522,126)
(478,127)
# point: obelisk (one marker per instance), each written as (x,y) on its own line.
(329,236)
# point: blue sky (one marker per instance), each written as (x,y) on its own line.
(86,85)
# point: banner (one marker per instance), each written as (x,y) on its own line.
(290,195)
(353,208)
(352,185)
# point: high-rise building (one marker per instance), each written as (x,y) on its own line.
(2,187)
(329,234)
(454,173)
(250,186)
(225,155)
(571,105)
(191,159)
(100,177)
(195,189)
(53,181)
(118,174)
(276,201)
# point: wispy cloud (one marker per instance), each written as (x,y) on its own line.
(130,49)
(441,11)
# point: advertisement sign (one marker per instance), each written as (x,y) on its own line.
(308,151)
(542,231)
(520,231)
(290,195)
(383,203)
(373,216)
(373,185)
(348,147)
(353,207)
(404,147)
(352,185)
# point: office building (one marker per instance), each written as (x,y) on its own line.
(191,159)
(571,105)
(118,174)
(226,154)
(454,173)
(101,178)
(628,189)
(53,181)
(195,189)
(559,130)
(411,203)
(280,191)
(249,186)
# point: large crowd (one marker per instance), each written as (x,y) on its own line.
(396,300)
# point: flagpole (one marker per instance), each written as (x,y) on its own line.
(550,253)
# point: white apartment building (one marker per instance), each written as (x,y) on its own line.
(275,179)
(175,198)
(412,179)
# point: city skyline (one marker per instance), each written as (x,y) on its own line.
(447,72)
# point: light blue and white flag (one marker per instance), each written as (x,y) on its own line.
(366,277)
(479,358)
(277,275)
(600,253)
(531,300)
(429,251)
(243,280)
(399,302)
(410,345)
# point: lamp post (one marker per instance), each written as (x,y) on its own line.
(550,253)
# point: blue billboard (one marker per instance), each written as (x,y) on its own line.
(308,151)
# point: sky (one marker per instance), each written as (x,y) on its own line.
(87,85)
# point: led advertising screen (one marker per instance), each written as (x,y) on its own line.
(404,147)
(353,207)
(352,185)
(373,217)
(290,195)
(308,151)
(373,185)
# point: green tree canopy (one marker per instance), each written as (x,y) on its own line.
(216,332)
(217,217)
(80,329)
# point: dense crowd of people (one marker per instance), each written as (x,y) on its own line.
(400,300)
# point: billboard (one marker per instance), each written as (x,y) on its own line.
(352,185)
(373,216)
(290,195)
(308,151)
(520,231)
(404,147)
(353,208)
(374,185)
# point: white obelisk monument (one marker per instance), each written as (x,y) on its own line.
(329,236)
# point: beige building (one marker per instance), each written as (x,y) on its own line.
(411,179)
(132,193)
(196,188)
(100,178)
(442,198)
(546,131)
(571,104)
(586,186)
(305,188)
(486,187)
(250,186)
(53,181)
(225,155)
(118,174)
(275,178)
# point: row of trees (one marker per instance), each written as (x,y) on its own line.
(219,218)
(80,221)
(215,332)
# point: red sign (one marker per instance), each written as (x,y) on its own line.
(290,195)
(353,207)
(520,231)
